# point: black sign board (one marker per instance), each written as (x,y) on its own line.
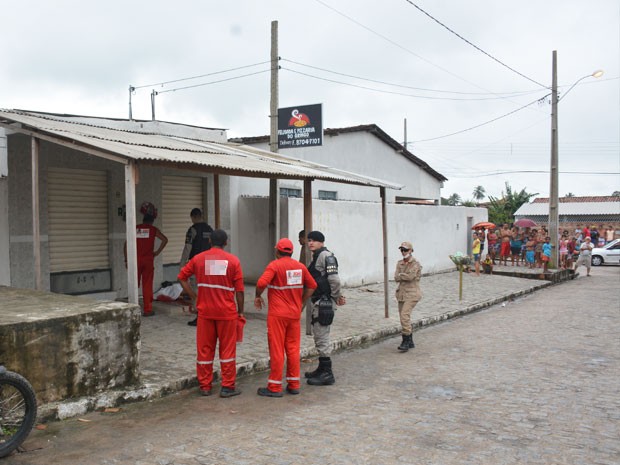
(300,126)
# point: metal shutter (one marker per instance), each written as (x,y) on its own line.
(78,219)
(179,195)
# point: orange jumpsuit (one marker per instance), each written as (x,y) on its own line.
(218,277)
(145,241)
(285,279)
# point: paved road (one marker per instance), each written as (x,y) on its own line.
(534,382)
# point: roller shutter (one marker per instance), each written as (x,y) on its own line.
(179,195)
(78,219)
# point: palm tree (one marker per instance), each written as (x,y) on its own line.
(454,199)
(479,193)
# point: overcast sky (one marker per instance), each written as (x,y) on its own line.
(380,62)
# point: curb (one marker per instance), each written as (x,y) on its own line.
(72,408)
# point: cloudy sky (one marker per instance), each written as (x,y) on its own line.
(365,61)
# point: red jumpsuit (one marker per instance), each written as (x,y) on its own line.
(286,279)
(145,241)
(218,277)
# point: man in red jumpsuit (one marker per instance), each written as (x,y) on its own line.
(290,285)
(145,243)
(219,279)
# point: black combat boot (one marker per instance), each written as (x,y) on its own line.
(325,377)
(404,346)
(318,371)
(411,344)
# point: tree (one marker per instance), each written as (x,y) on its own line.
(502,210)
(615,194)
(570,194)
(454,199)
(468,203)
(479,193)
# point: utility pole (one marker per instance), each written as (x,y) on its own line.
(553,187)
(405,142)
(153,94)
(131,90)
(274,195)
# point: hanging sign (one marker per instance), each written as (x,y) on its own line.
(300,126)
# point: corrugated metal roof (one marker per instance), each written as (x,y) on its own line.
(235,159)
(566,208)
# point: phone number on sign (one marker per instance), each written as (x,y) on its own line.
(308,141)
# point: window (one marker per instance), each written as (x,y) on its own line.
(288,192)
(328,195)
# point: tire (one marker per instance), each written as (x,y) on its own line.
(18,411)
(597,260)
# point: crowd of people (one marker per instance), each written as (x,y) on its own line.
(531,246)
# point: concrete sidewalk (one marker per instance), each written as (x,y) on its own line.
(168,355)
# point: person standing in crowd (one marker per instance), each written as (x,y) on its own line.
(302,242)
(585,255)
(504,251)
(146,234)
(324,270)
(609,234)
(197,239)
(475,250)
(594,235)
(290,285)
(407,275)
(546,253)
(492,240)
(219,303)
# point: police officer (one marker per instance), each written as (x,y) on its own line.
(408,294)
(197,239)
(324,270)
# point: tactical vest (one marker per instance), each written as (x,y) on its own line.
(202,241)
(323,288)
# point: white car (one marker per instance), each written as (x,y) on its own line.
(609,253)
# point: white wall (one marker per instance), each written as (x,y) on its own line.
(360,153)
(353,231)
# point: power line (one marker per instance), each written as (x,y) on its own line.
(200,76)
(482,124)
(475,46)
(372,89)
(495,173)
(516,93)
(213,82)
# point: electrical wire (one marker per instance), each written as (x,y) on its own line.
(372,89)
(483,124)
(495,173)
(514,93)
(200,76)
(212,82)
(475,46)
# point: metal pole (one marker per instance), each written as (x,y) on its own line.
(153,94)
(386,281)
(307,229)
(553,188)
(405,142)
(36,226)
(131,89)
(274,194)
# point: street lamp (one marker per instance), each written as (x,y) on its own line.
(554,216)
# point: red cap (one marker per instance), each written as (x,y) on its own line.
(285,245)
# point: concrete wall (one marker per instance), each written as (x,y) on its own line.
(5,261)
(68,346)
(353,232)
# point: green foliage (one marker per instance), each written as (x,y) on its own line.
(453,200)
(502,210)
(479,193)
(615,193)
(570,194)
(469,203)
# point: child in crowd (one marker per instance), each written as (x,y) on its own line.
(529,251)
(487,265)
(563,249)
(546,253)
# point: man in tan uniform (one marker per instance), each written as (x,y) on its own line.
(408,294)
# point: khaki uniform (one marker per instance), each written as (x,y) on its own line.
(408,293)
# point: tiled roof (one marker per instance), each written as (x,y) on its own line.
(609,206)
(600,198)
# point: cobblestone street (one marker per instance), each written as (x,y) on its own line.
(534,382)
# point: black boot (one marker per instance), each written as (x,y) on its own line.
(411,344)
(325,376)
(318,371)
(404,346)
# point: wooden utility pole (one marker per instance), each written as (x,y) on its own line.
(274,195)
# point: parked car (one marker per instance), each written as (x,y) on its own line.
(609,253)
